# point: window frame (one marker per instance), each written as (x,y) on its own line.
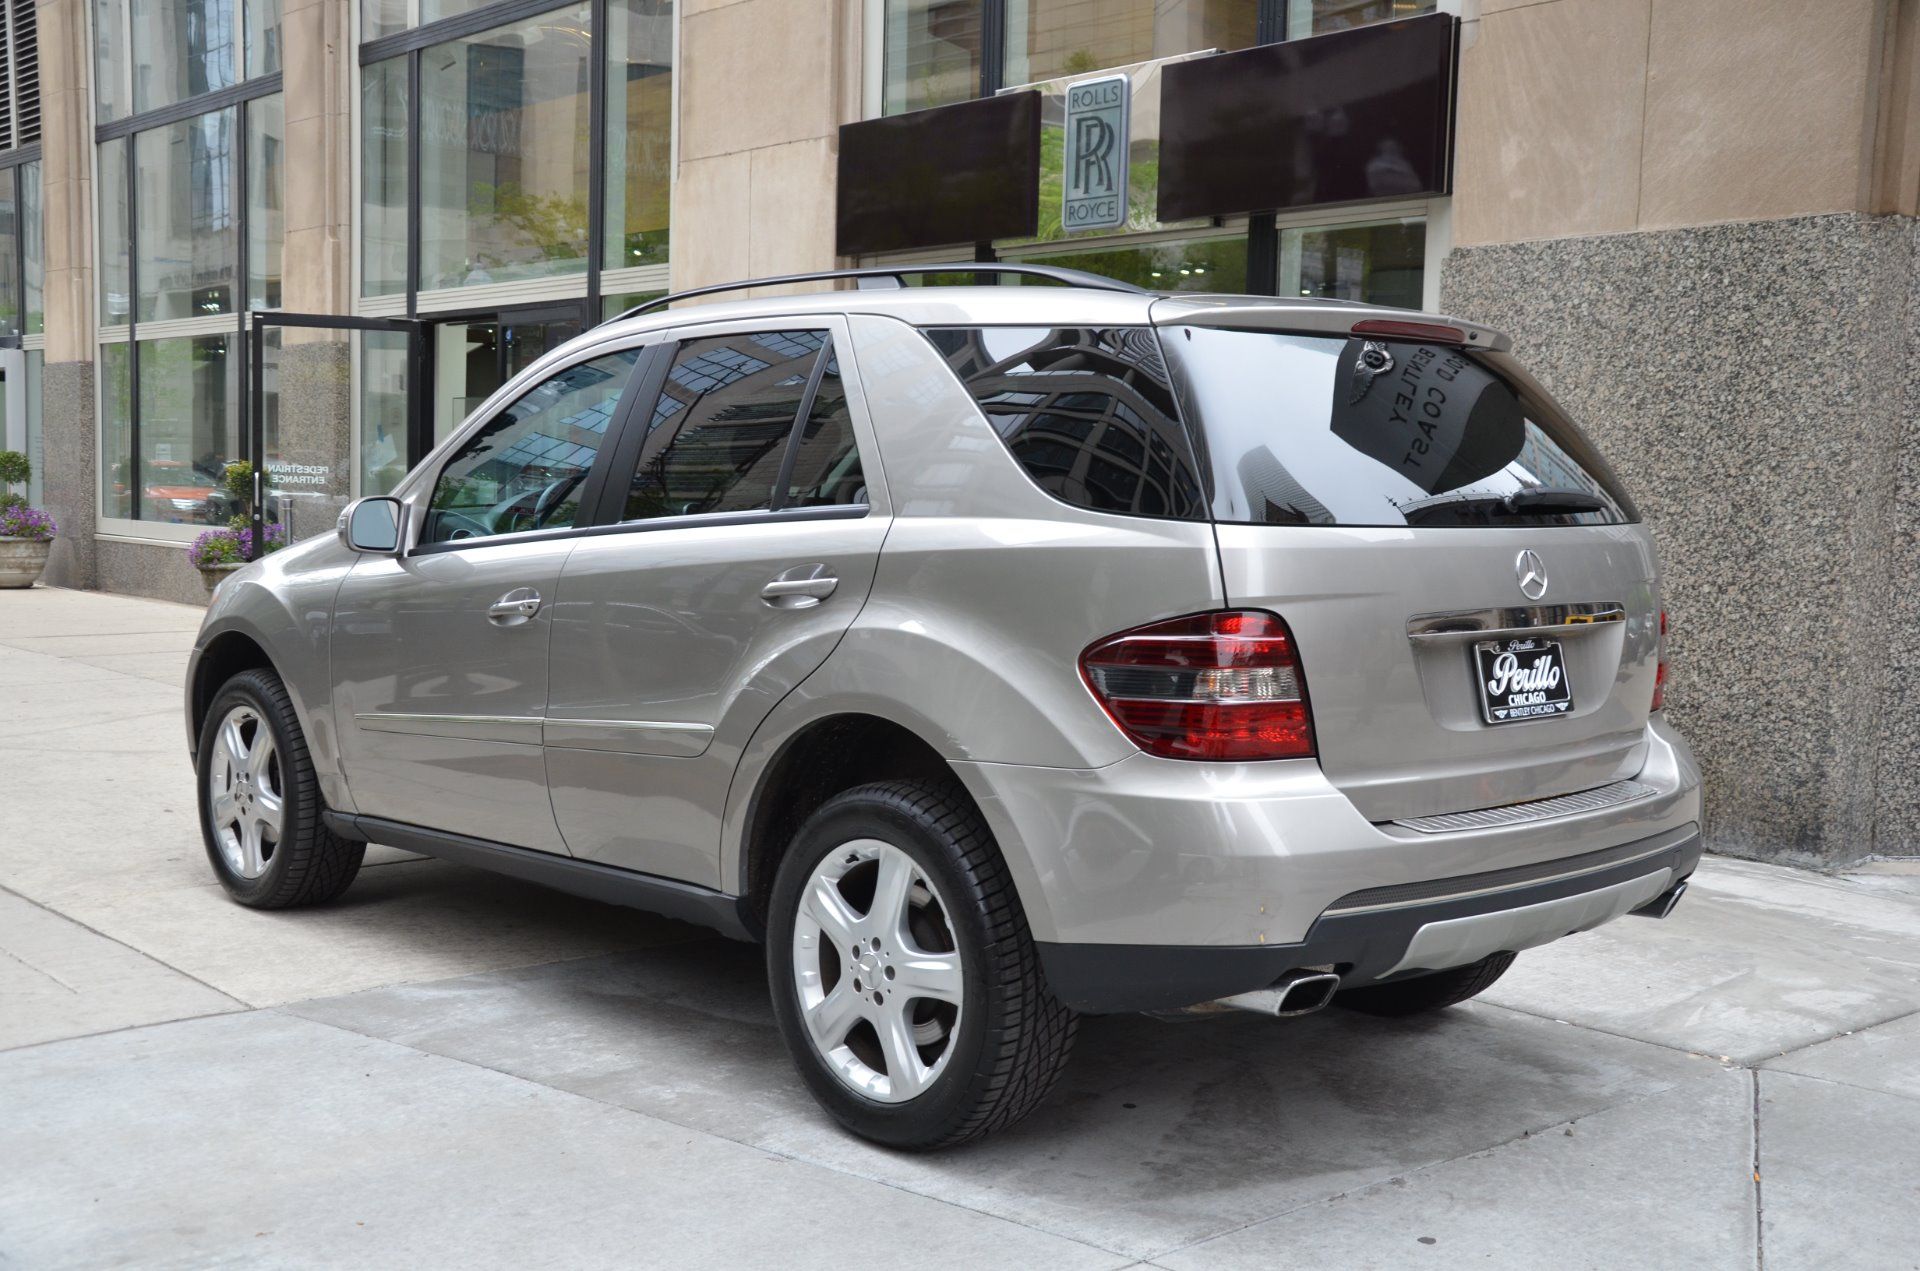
(628,431)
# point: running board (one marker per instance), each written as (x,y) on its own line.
(728,915)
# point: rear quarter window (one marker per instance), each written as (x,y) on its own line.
(1326,430)
(1088,412)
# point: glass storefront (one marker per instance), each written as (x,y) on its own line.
(191,226)
(1382,263)
(1207,264)
(639,161)
(1318,17)
(1050,38)
(504,156)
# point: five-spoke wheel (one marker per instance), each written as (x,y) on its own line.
(878,974)
(243,789)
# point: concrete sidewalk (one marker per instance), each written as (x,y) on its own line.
(449,1069)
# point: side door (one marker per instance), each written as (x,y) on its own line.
(745,519)
(440,654)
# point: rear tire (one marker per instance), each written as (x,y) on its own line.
(897,887)
(1427,992)
(260,806)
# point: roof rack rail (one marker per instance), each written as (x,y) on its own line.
(897,275)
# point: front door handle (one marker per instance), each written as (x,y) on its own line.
(514,608)
(801,587)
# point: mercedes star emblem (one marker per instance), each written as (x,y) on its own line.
(1532,573)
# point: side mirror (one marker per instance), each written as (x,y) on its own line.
(372,525)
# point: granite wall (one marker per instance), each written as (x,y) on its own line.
(69,470)
(1756,385)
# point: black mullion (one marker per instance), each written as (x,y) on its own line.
(993,46)
(134,463)
(413,184)
(20,244)
(243,298)
(1271,25)
(596,161)
(794,434)
(1263,239)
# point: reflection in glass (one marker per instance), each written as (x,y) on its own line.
(1049,38)
(113,242)
(186,218)
(263,37)
(639,132)
(266,199)
(33,233)
(613,306)
(1317,17)
(181,49)
(932,54)
(10,289)
(383,178)
(383,410)
(524,469)
(505,121)
(1204,264)
(1382,264)
(36,451)
(189,417)
(382,17)
(109,60)
(116,431)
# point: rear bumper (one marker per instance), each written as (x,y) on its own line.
(1160,852)
(1478,916)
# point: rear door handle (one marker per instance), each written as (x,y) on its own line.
(801,587)
(514,608)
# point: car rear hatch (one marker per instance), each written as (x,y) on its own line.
(1473,599)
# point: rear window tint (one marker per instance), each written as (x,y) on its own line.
(1089,413)
(1326,430)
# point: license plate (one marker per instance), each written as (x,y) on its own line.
(1522,679)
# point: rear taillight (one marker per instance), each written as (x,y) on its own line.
(1660,671)
(1209,686)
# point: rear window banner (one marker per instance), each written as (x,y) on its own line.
(1425,411)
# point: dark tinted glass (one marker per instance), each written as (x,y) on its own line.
(955,174)
(1326,430)
(525,468)
(826,464)
(1088,413)
(720,428)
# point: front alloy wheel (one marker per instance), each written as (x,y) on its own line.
(904,978)
(877,971)
(247,812)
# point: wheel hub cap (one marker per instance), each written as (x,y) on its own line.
(244,802)
(878,972)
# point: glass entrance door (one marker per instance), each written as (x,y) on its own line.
(474,354)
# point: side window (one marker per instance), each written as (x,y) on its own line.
(1089,413)
(525,468)
(719,433)
(826,462)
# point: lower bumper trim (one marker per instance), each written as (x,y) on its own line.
(1364,946)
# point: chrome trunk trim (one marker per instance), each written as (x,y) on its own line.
(1577,804)
(1518,620)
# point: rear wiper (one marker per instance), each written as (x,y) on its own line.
(1544,499)
(1555,498)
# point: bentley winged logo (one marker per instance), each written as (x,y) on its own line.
(1532,574)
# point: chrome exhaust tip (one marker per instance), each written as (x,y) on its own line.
(1297,993)
(1662,905)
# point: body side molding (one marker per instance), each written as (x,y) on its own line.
(728,915)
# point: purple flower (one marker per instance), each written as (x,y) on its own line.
(232,547)
(20,521)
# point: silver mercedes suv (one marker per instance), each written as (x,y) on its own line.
(993,653)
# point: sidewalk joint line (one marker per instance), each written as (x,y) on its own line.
(1759,1207)
(132,948)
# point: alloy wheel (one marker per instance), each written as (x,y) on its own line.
(878,970)
(245,800)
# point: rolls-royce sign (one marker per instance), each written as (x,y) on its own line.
(1094,194)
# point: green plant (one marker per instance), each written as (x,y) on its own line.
(239,482)
(14,468)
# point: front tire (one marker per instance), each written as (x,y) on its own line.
(260,806)
(1425,993)
(904,978)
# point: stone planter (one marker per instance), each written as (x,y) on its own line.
(22,559)
(212,575)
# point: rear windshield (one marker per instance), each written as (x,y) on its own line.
(1331,430)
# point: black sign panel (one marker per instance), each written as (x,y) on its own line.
(966,173)
(1341,118)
